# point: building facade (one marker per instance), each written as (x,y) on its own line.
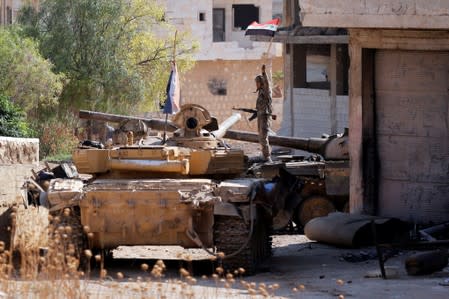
(9,9)
(316,76)
(399,104)
(227,61)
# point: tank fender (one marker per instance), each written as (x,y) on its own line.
(226,209)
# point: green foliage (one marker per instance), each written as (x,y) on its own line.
(277,77)
(12,119)
(25,77)
(56,135)
(114,53)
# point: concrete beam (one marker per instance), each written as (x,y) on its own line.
(393,14)
(310,39)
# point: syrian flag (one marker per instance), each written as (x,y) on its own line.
(173,92)
(268,28)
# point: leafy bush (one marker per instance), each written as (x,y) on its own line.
(25,76)
(12,119)
(56,136)
(114,53)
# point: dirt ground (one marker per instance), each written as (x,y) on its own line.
(301,268)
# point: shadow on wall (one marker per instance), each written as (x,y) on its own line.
(217,86)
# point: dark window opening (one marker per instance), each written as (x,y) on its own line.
(8,15)
(202,16)
(218,24)
(245,14)
(311,64)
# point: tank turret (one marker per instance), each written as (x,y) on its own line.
(194,148)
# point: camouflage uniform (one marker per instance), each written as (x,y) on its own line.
(264,111)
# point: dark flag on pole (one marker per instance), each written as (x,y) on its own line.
(268,28)
(173,92)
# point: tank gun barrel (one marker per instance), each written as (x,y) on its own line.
(313,145)
(153,123)
(225,125)
(334,147)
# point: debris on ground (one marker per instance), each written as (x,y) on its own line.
(426,262)
(390,272)
(369,254)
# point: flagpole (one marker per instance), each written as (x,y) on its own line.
(166,114)
(165,129)
(270,64)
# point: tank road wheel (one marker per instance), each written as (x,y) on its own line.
(312,207)
(231,233)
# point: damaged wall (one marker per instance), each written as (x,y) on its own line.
(399,116)
(419,14)
(17,157)
(224,84)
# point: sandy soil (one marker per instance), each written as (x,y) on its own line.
(302,269)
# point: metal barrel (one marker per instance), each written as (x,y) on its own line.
(313,145)
(153,123)
(224,126)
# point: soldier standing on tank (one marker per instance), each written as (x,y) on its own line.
(264,111)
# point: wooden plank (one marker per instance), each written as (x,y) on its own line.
(401,39)
(355,131)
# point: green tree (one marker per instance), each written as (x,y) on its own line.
(12,119)
(115,53)
(25,76)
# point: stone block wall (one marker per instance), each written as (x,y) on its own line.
(17,157)
(222,84)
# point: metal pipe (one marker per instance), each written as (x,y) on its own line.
(176,166)
(153,123)
(313,145)
(224,126)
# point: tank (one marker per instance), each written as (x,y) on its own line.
(324,176)
(186,189)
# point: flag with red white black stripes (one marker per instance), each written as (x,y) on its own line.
(268,28)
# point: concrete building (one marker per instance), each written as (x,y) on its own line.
(10,8)
(316,65)
(227,63)
(399,103)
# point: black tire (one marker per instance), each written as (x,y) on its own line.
(312,207)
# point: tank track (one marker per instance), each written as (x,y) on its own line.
(230,233)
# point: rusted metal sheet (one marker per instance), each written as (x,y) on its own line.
(126,212)
(412,112)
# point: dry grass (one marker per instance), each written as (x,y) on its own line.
(55,272)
